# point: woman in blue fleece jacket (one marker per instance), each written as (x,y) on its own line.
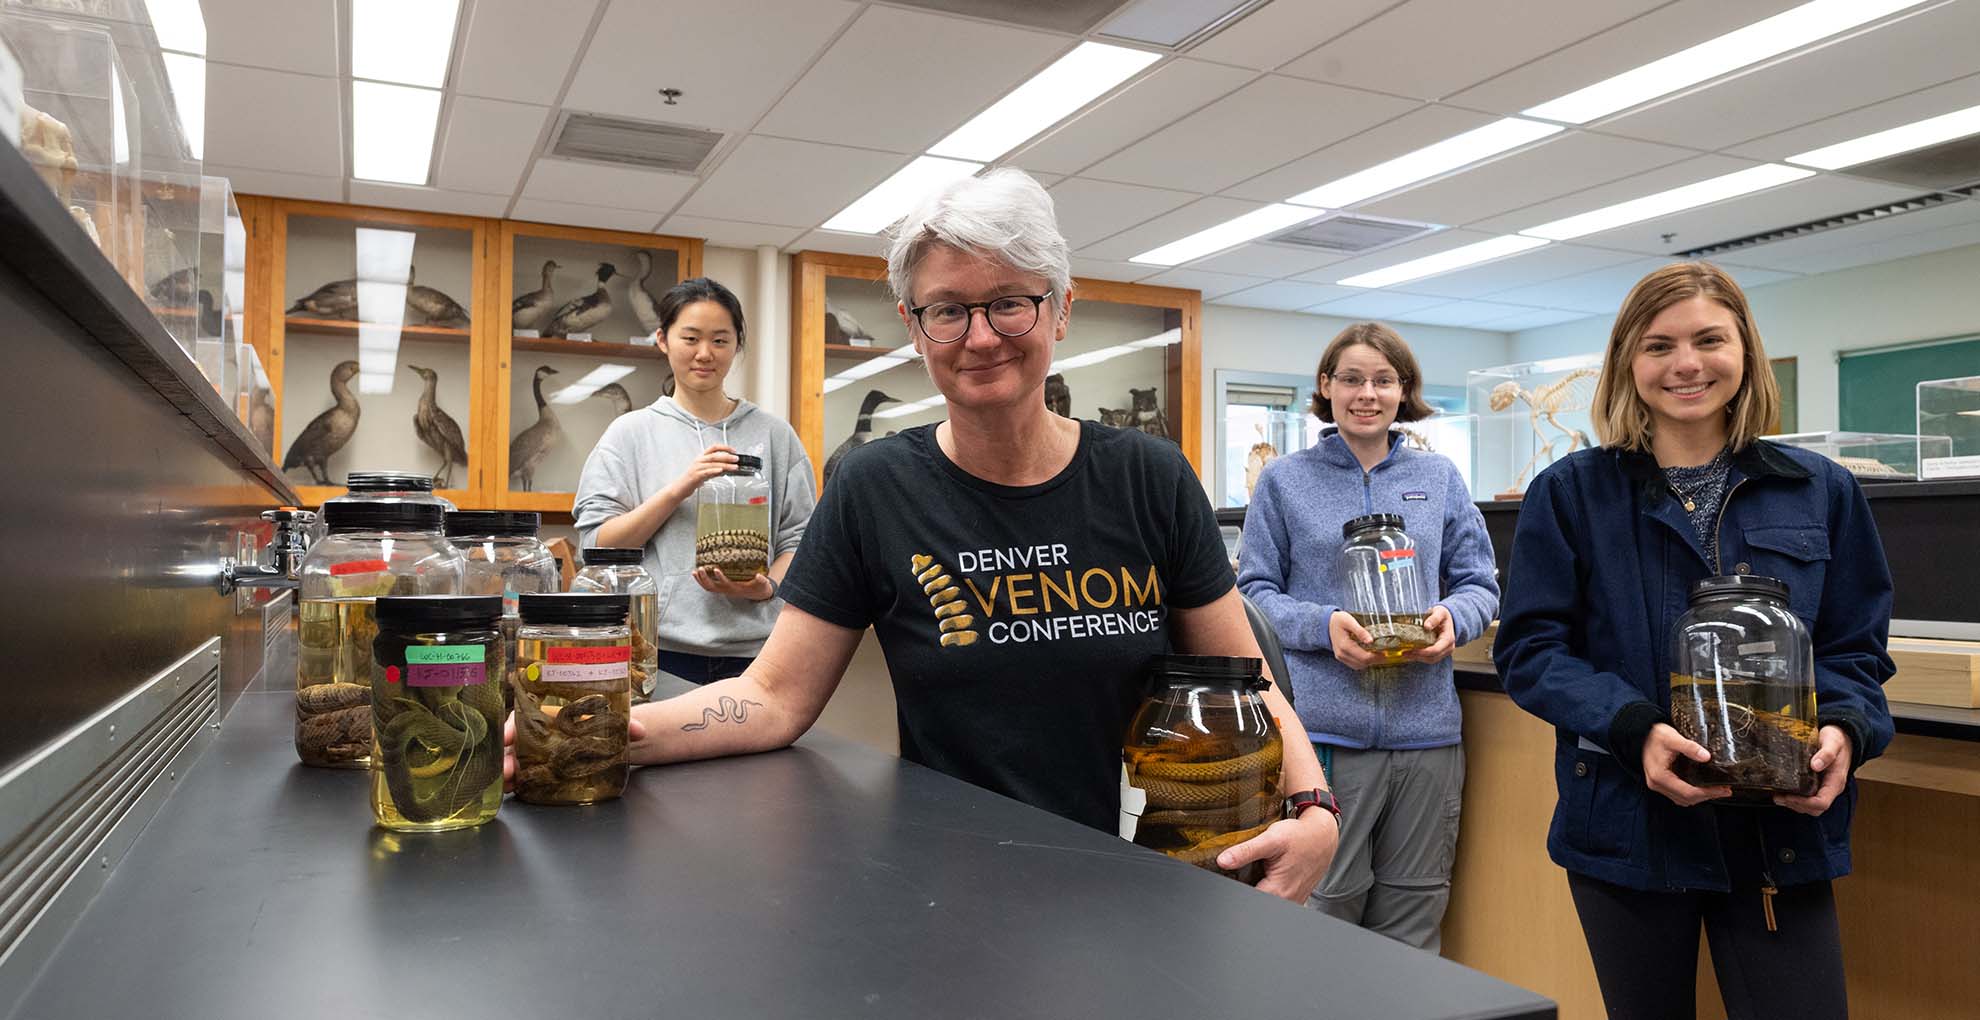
(1609,543)
(1391,750)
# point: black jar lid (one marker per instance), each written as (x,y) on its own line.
(1368,521)
(1739,586)
(1236,671)
(413,614)
(388,481)
(364,516)
(748,462)
(508,523)
(576,609)
(602,557)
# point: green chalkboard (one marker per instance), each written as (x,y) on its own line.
(1877,390)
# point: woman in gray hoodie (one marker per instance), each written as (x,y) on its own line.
(640,485)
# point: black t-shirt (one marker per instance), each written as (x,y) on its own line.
(1018,622)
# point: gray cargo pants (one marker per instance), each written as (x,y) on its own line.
(1399,809)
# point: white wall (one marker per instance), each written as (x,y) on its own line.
(1920,298)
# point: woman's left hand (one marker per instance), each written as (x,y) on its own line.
(1438,622)
(756,589)
(1296,852)
(1831,762)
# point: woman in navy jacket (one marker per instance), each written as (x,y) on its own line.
(1609,542)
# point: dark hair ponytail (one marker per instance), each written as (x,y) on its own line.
(700,288)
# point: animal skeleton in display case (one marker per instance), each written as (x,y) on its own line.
(1568,394)
(1261,455)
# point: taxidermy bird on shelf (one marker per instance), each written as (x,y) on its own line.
(434,308)
(640,299)
(580,314)
(261,418)
(1147,415)
(438,429)
(527,310)
(209,316)
(532,444)
(1058,396)
(176,289)
(862,430)
(334,300)
(841,328)
(616,395)
(327,432)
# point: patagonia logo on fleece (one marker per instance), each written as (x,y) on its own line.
(1417,494)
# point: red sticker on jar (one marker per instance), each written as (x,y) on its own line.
(590,656)
(1398,554)
(358,567)
(758,500)
(584,665)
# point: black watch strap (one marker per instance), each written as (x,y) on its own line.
(1299,802)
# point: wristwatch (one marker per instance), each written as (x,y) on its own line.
(1304,799)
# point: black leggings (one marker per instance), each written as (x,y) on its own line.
(1645,944)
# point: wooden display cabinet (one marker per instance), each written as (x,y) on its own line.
(848,343)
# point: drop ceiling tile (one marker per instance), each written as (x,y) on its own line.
(1560,166)
(487,144)
(1269,260)
(1527,268)
(1749,277)
(520,52)
(1785,206)
(1280,31)
(1201,214)
(271,120)
(1649,182)
(856,94)
(730,233)
(1653,36)
(1375,304)
(1104,269)
(1463,313)
(1433,48)
(1256,128)
(843,243)
(702,49)
(1910,54)
(1171,91)
(1091,211)
(433,200)
(1530,319)
(249,181)
(281,37)
(787,183)
(1791,254)
(1397,254)
(1931,102)
(572,214)
(1420,127)
(1213,285)
(1287,295)
(1886,250)
(595,184)
(1594,293)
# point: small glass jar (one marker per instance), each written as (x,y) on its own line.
(382,487)
(504,557)
(573,697)
(1743,687)
(623,572)
(436,678)
(372,549)
(1382,587)
(1201,763)
(732,527)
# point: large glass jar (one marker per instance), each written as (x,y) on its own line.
(732,528)
(1382,586)
(623,572)
(573,697)
(1201,762)
(436,674)
(383,487)
(1743,687)
(504,557)
(372,549)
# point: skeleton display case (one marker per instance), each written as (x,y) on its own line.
(1529,415)
(1949,428)
(1454,436)
(1256,436)
(1870,456)
(222,292)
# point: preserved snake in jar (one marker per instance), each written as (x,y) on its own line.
(732,526)
(1743,687)
(573,689)
(437,668)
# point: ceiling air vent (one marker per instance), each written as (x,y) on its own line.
(636,143)
(1939,167)
(1848,219)
(1074,16)
(1352,235)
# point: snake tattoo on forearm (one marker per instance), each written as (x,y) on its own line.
(728,710)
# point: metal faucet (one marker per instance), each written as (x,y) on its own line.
(281,559)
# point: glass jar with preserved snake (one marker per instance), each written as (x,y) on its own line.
(573,694)
(1743,687)
(623,572)
(436,672)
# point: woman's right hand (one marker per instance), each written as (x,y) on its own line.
(1660,750)
(1350,641)
(715,460)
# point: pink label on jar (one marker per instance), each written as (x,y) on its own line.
(582,672)
(444,674)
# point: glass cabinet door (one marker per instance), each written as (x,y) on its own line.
(376,369)
(581,349)
(875,384)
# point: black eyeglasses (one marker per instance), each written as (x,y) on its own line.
(946,322)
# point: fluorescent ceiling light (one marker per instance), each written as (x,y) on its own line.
(1769,37)
(1427,162)
(178,24)
(1903,138)
(1104,354)
(402,41)
(898,356)
(591,382)
(1256,223)
(1444,262)
(186,74)
(1716,189)
(916,407)
(1070,83)
(392,130)
(892,198)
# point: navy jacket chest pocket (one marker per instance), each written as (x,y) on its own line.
(1797,554)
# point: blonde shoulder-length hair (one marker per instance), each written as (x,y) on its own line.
(1621,418)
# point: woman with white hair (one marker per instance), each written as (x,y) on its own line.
(1020,569)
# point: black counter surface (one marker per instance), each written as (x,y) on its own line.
(826,880)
